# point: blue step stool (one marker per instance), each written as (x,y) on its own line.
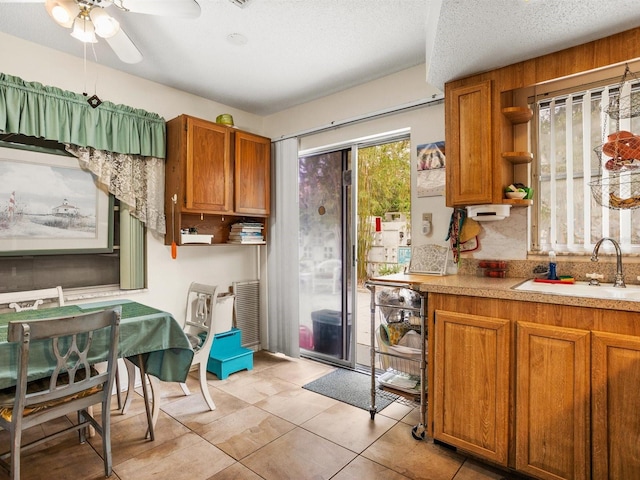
(227,356)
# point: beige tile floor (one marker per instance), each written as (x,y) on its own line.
(265,426)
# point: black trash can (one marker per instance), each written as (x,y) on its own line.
(327,332)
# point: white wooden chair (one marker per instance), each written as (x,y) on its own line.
(72,386)
(32,299)
(199,328)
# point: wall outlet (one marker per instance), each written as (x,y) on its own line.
(427,217)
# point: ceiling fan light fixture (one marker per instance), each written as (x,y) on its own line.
(83,30)
(62,11)
(105,25)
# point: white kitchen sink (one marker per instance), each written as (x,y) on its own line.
(582,289)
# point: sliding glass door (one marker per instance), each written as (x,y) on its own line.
(341,193)
(325,257)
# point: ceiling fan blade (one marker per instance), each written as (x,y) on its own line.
(124,48)
(167,8)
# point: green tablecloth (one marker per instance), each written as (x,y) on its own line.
(145,331)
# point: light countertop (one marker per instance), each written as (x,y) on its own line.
(474,286)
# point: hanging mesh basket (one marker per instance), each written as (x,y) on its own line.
(627,107)
(623,108)
(617,191)
(620,153)
(618,187)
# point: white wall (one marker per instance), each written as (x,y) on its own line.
(168,279)
(426,125)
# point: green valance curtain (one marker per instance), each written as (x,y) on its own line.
(33,109)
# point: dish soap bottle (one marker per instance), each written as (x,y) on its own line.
(553,274)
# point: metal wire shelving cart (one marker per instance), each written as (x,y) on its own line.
(398,368)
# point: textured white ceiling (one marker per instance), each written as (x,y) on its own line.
(301,50)
(477,35)
(296,50)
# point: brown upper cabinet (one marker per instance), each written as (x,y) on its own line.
(252,174)
(217,174)
(484,122)
(468,142)
(204,152)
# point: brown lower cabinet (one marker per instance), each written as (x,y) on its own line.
(615,398)
(550,391)
(552,401)
(472,383)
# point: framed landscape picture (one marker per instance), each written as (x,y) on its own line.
(49,205)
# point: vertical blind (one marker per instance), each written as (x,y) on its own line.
(571,129)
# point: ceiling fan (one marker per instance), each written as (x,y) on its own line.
(88,18)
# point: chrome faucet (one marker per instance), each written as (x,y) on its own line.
(619,281)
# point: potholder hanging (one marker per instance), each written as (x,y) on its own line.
(455,225)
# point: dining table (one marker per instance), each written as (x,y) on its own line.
(150,339)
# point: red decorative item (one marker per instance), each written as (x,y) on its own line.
(378,224)
(306,338)
(624,148)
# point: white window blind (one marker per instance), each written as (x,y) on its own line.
(569,127)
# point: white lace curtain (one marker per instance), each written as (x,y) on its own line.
(133,179)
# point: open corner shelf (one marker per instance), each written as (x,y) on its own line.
(517,203)
(518,114)
(518,157)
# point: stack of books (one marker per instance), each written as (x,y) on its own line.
(246,233)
